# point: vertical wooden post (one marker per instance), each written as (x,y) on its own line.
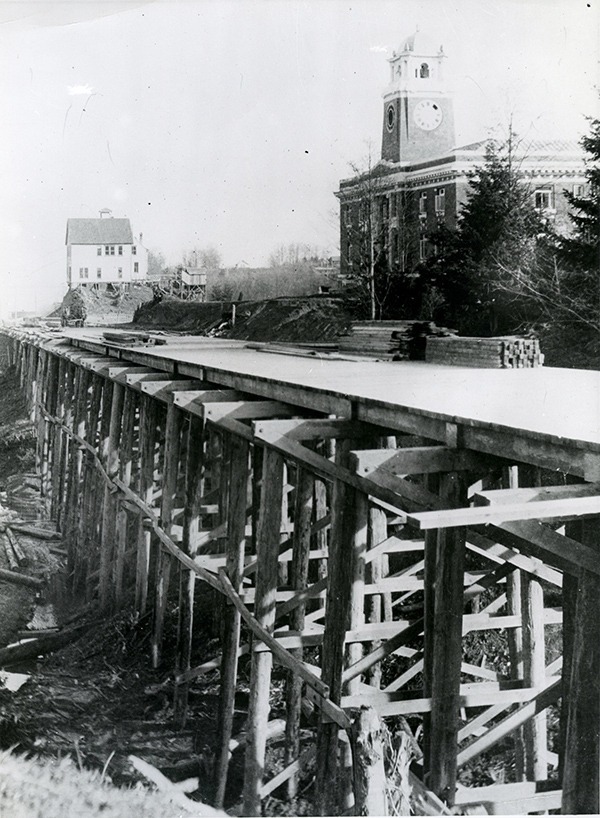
(267,542)
(169,488)
(73,466)
(67,419)
(534,671)
(90,491)
(340,572)
(47,453)
(574,530)
(430,554)
(187,579)
(303,510)
(510,479)
(57,441)
(125,466)
(581,693)
(236,540)
(75,492)
(447,647)
(356,554)
(377,532)
(40,404)
(108,511)
(148,432)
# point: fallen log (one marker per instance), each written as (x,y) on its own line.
(10,554)
(163,784)
(12,654)
(34,531)
(20,579)
(16,546)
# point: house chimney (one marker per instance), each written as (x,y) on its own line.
(106,213)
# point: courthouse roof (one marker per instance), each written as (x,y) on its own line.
(99,231)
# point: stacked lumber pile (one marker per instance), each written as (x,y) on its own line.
(488,353)
(389,340)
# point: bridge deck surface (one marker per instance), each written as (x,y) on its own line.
(558,404)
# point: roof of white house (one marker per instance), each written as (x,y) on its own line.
(99,231)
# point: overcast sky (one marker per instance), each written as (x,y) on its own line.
(230,123)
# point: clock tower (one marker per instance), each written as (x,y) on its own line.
(418,115)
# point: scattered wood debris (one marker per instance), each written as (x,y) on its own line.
(135,339)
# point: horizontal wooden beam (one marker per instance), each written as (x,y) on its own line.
(194,399)
(418,460)
(162,390)
(119,372)
(520,798)
(520,447)
(138,378)
(320,429)
(248,409)
(310,398)
(471,695)
(540,701)
(402,497)
(497,552)
(541,541)
(564,509)
(535,494)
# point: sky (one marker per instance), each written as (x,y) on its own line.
(230,122)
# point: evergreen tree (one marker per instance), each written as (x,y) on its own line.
(562,290)
(497,237)
(581,251)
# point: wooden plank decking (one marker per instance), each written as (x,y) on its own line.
(494,408)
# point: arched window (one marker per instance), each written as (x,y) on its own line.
(424,72)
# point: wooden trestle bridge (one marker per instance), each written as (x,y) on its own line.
(323,500)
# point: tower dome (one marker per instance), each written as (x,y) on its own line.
(420,45)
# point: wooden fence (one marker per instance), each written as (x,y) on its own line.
(334,545)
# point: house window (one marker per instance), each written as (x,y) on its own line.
(120,250)
(578,191)
(422,204)
(543,199)
(112,249)
(136,267)
(106,250)
(120,272)
(422,249)
(440,200)
(99,272)
(133,250)
(424,71)
(99,251)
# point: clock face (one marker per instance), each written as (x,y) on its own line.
(427,115)
(390,117)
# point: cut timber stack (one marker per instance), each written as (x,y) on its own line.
(488,353)
(390,340)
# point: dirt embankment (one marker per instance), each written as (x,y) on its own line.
(310,319)
(105,307)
